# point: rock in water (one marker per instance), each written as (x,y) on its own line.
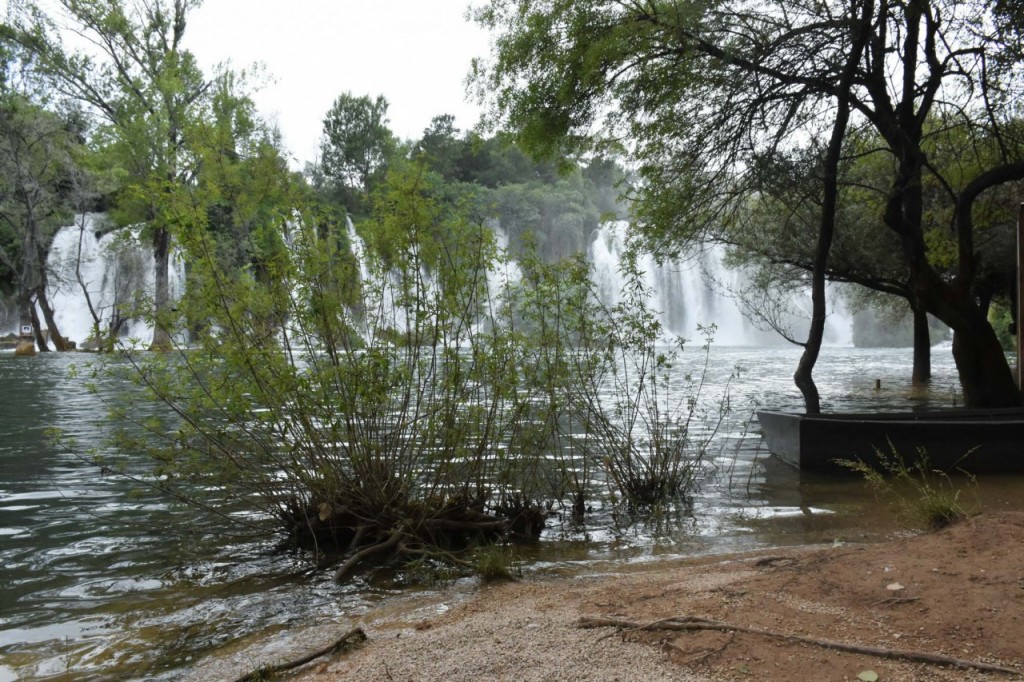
(25,348)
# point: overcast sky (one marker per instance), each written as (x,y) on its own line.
(414,52)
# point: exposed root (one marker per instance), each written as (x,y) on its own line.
(683,623)
(349,639)
(390,543)
(348,531)
(434,554)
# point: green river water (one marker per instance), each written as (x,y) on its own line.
(101,582)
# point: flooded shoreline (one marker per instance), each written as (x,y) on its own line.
(98,586)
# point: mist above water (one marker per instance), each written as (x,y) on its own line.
(98,273)
(115,267)
(698,291)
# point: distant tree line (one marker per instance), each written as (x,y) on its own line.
(137,131)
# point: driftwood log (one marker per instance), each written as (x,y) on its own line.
(351,638)
(685,623)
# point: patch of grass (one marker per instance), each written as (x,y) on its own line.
(494,563)
(427,571)
(924,496)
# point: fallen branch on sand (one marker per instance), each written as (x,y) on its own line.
(683,623)
(352,637)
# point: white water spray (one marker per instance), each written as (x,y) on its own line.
(116,270)
(692,293)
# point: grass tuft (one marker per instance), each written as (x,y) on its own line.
(494,563)
(925,497)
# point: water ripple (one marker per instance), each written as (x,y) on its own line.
(96,584)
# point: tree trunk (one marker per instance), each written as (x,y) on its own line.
(59,342)
(42,252)
(803,377)
(161,293)
(985,375)
(830,199)
(922,373)
(37,327)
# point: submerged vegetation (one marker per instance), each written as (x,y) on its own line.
(399,352)
(923,496)
(416,403)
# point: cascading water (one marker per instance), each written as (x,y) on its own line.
(505,272)
(385,307)
(689,293)
(382,288)
(115,269)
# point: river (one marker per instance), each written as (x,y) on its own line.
(103,582)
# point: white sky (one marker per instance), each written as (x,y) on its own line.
(414,52)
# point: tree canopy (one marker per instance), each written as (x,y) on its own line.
(356,146)
(146,89)
(699,93)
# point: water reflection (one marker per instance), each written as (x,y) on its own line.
(96,585)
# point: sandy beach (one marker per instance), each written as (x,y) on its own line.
(909,603)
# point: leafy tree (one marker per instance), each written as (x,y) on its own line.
(440,146)
(555,208)
(147,90)
(356,146)
(494,161)
(774,232)
(698,92)
(560,217)
(37,183)
(242,180)
(439,416)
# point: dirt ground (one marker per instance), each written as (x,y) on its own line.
(958,593)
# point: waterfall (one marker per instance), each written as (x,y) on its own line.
(385,305)
(504,272)
(694,292)
(116,270)
(685,294)
(382,290)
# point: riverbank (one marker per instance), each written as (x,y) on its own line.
(957,593)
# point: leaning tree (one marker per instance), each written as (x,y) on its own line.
(774,237)
(697,92)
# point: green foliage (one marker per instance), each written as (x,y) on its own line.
(495,563)
(242,180)
(374,396)
(148,92)
(565,341)
(41,183)
(559,206)
(660,432)
(560,216)
(1002,321)
(283,408)
(357,145)
(922,495)
(699,95)
(607,396)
